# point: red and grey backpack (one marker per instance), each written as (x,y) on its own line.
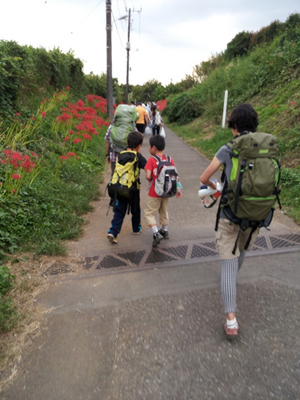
(167,177)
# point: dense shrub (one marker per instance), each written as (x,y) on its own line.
(183,108)
(238,46)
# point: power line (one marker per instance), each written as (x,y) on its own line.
(91,12)
(120,16)
(117,29)
(95,8)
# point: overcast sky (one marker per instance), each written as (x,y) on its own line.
(168,37)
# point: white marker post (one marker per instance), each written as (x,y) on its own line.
(224,108)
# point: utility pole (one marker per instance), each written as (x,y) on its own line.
(128,49)
(109,83)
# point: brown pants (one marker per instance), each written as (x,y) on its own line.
(154,205)
(226,237)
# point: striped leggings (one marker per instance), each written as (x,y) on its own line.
(230,269)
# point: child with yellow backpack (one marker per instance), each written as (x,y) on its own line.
(124,187)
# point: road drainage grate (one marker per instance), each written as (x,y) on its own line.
(189,252)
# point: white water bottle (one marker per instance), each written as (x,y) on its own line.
(208,195)
(207,191)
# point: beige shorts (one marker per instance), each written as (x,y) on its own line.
(157,205)
(226,237)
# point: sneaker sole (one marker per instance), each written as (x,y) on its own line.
(112,239)
(231,337)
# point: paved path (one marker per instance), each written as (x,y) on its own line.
(156,333)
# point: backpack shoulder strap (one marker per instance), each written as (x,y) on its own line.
(156,158)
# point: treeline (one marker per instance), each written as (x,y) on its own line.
(29,74)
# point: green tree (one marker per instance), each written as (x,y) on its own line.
(238,46)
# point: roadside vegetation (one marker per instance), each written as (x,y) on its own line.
(261,68)
(51,164)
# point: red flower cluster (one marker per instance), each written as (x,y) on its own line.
(18,160)
(161,104)
(85,116)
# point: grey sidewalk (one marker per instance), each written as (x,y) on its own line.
(157,333)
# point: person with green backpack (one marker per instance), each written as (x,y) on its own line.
(125,119)
(124,187)
(251,187)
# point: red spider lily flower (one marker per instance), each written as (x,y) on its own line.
(274,106)
(3,161)
(64,117)
(65,109)
(17,114)
(71,154)
(90,98)
(66,138)
(86,136)
(16,156)
(16,176)
(80,103)
(34,154)
(71,132)
(64,157)
(77,141)
(43,114)
(293,103)
(32,118)
(68,87)
(46,99)
(8,152)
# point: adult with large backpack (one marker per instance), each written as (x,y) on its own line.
(251,179)
(116,137)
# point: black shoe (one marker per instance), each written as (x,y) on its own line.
(156,240)
(164,234)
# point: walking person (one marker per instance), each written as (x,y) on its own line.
(156,203)
(131,162)
(156,120)
(116,136)
(236,231)
(143,120)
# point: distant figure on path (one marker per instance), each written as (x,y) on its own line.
(156,120)
(143,120)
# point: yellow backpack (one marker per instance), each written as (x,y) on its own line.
(125,179)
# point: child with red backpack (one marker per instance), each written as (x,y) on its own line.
(164,183)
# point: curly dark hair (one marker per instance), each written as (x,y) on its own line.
(243,118)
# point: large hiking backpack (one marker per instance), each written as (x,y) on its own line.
(249,198)
(125,177)
(124,122)
(167,177)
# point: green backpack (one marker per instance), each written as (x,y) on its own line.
(249,198)
(124,122)
(125,179)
